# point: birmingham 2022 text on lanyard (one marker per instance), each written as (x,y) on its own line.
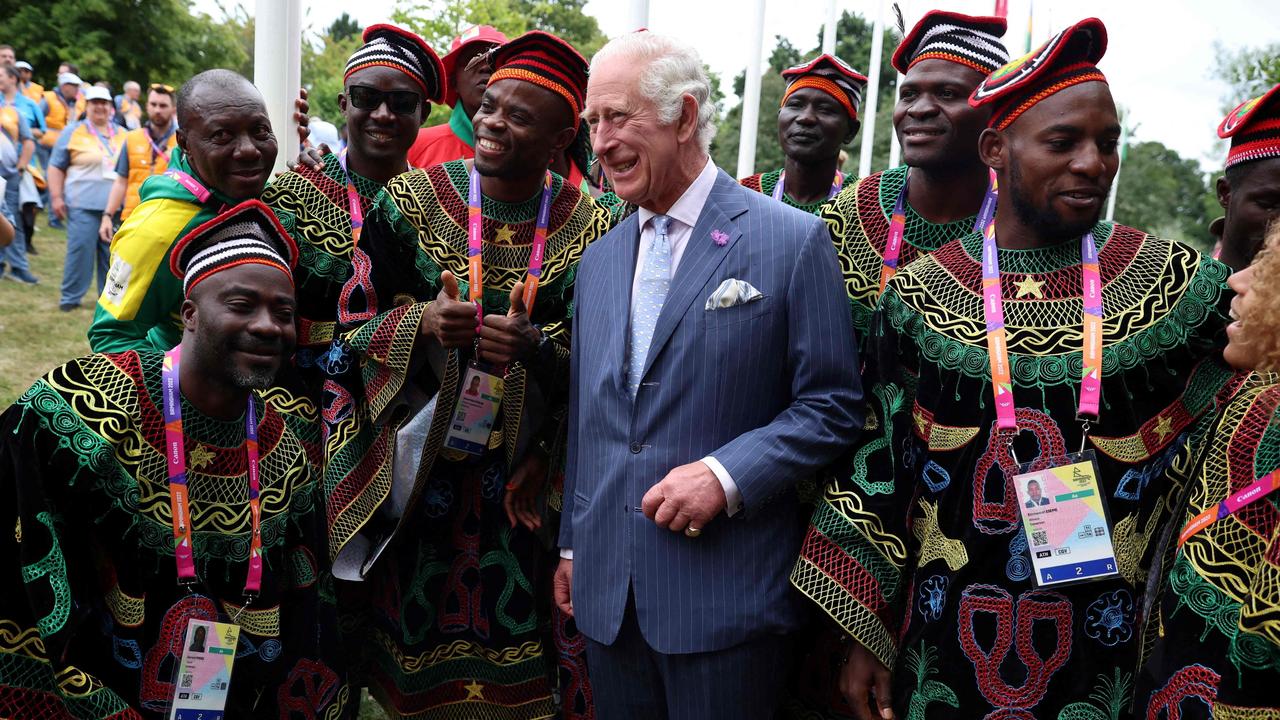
(475,244)
(175,451)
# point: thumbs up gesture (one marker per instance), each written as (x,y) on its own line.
(449,320)
(507,338)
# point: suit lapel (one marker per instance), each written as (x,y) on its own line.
(702,255)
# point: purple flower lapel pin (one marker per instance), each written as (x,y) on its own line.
(719,237)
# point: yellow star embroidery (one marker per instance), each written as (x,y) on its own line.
(505,235)
(1164,427)
(1031,287)
(475,691)
(200,456)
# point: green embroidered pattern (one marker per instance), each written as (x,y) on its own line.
(1221,614)
(517,212)
(766,183)
(892,399)
(1112,698)
(54,567)
(918,231)
(926,692)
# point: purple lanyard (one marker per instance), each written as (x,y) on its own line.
(175,451)
(835,186)
(475,243)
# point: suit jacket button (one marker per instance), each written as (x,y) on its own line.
(636,447)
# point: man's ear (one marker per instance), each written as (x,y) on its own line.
(687,125)
(181,134)
(562,140)
(854,125)
(992,147)
(1224,192)
(189,312)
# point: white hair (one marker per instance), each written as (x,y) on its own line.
(131,85)
(672,69)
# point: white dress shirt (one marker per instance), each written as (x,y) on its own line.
(684,216)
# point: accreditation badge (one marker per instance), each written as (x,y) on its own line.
(475,412)
(109,168)
(203,676)
(1065,520)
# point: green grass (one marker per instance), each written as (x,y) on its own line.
(35,337)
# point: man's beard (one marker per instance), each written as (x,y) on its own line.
(215,356)
(1044,220)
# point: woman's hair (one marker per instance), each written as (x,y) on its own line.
(1261,321)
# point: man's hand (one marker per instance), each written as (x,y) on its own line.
(505,339)
(863,673)
(106,229)
(689,496)
(300,109)
(562,586)
(526,484)
(450,322)
(60,208)
(309,157)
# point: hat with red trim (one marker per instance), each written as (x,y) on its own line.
(972,41)
(831,75)
(1254,128)
(248,233)
(393,47)
(472,36)
(1068,58)
(546,61)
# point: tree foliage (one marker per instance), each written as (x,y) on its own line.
(853,45)
(143,40)
(1164,194)
(343,27)
(1248,71)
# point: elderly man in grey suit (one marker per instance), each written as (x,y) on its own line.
(714,367)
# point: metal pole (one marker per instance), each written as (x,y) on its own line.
(1115,182)
(873,89)
(638,14)
(751,95)
(277,68)
(895,150)
(829,30)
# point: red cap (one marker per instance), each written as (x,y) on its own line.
(475,34)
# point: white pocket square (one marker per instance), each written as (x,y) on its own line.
(732,292)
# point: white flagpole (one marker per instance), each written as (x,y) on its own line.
(751,95)
(1115,182)
(873,89)
(277,68)
(895,150)
(829,30)
(637,15)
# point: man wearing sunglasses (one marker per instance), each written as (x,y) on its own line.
(146,153)
(224,155)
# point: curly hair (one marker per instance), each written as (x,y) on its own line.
(1261,320)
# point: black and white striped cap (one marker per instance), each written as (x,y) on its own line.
(972,41)
(248,233)
(393,47)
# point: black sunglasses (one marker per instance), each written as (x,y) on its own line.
(400,102)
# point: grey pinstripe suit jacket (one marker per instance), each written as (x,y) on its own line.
(770,388)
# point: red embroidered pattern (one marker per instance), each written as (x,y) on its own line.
(1001,516)
(1014,626)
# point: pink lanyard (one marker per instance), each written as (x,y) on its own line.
(835,186)
(104,142)
(898,224)
(184,550)
(192,185)
(998,348)
(475,243)
(359,284)
(157,150)
(1256,490)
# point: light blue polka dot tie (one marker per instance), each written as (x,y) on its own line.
(651,292)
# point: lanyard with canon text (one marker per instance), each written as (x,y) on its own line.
(192,185)
(475,242)
(898,223)
(175,451)
(835,186)
(998,348)
(1236,502)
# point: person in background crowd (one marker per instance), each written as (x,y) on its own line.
(29,192)
(31,89)
(680,504)
(81,173)
(1110,347)
(93,501)
(128,109)
(7,224)
(15,156)
(68,67)
(466,82)
(225,154)
(819,114)
(7,56)
(16,112)
(146,153)
(1213,635)
(61,106)
(1249,189)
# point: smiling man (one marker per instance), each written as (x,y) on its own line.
(468,248)
(1050,334)
(106,577)
(465,84)
(225,153)
(819,115)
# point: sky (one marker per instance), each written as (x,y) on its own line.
(1159,61)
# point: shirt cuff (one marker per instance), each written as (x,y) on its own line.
(732,498)
(566,553)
